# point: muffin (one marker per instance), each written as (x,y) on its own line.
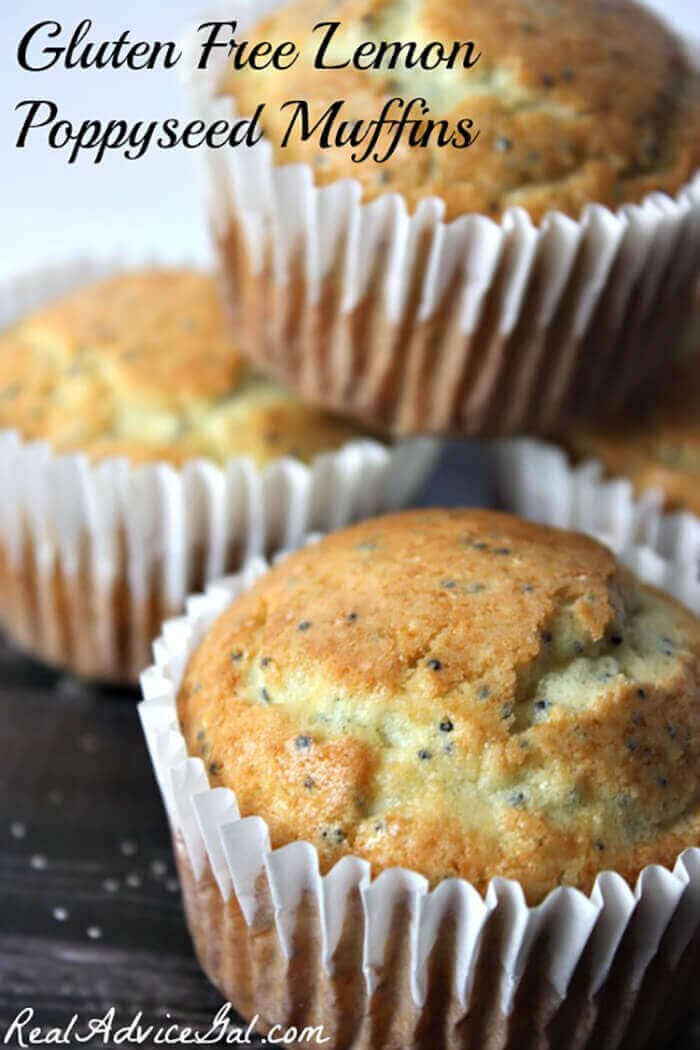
(478,290)
(657,447)
(438,700)
(141,365)
(537,87)
(139,455)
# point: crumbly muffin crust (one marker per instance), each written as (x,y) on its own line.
(657,447)
(461,693)
(143,365)
(577,101)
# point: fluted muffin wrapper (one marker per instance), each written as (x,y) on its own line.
(386,962)
(466,327)
(95,555)
(538,480)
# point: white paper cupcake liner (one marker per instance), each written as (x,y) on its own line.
(468,327)
(385,962)
(538,481)
(93,556)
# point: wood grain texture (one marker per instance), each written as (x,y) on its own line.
(90,913)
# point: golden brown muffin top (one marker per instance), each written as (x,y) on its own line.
(658,445)
(143,365)
(461,693)
(576,101)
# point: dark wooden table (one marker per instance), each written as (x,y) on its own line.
(90,912)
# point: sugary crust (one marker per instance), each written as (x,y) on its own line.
(143,365)
(658,445)
(460,693)
(576,101)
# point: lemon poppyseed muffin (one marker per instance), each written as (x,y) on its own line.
(460,693)
(143,365)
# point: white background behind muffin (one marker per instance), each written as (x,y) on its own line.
(118,204)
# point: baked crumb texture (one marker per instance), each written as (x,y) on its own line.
(658,445)
(577,101)
(143,365)
(460,693)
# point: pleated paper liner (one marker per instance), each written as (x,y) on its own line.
(469,327)
(94,556)
(537,480)
(384,963)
